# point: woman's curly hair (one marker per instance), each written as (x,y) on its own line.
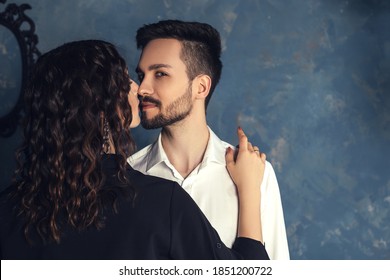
(59,164)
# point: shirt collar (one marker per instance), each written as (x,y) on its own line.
(157,154)
(215,152)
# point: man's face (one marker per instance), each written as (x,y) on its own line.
(165,90)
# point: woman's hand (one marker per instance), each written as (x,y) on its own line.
(247,171)
(246,168)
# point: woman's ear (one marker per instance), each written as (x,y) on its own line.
(202,85)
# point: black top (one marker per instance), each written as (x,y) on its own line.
(162,223)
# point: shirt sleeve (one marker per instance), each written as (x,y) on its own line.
(274,229)
(193,237)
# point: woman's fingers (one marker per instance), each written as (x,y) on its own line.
(229,157)
(244,144)
(243,140)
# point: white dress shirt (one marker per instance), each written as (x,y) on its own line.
(210,185)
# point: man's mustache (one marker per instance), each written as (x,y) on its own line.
(149,100)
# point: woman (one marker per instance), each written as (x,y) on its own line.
(75,196)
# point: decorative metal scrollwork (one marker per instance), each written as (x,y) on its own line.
(23,28)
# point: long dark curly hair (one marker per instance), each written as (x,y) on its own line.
(59,171)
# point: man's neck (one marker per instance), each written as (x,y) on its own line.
(185,144)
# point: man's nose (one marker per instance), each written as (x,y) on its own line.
(145,88)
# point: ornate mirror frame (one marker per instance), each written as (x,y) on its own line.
(14,19)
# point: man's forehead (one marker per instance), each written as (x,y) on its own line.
(163,47)
(162,52)
(170,42)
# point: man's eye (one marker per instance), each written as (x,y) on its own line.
(160,74)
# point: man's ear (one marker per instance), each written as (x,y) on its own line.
(202,84)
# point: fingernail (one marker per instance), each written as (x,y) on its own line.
(228,149)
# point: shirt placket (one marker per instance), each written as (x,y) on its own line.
(188,183)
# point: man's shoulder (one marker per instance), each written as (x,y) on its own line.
(216,141)
(223,145)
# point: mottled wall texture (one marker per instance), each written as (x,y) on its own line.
(309,81)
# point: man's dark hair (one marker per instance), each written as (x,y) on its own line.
(201,46)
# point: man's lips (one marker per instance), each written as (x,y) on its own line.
(148,105)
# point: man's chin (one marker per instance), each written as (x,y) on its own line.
(160,122)
(149,125)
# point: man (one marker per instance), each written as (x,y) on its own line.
(178,70)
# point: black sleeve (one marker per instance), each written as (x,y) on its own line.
(193,237)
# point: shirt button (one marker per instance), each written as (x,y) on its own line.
(219,245)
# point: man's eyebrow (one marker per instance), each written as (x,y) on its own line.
(153,67)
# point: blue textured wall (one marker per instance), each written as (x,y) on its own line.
(309,81)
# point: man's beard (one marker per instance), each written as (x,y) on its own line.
(176,111)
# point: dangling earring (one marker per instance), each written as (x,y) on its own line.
(106,135)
